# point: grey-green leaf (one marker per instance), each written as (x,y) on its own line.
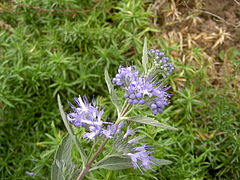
(114,162)
(111,90)
(145,56)
(149,121)
(63,167)
(71,133)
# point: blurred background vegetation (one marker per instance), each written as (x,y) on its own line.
(61,47)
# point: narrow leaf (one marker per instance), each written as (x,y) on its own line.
(62,158)
(71,133)
(6,101)
(145,56)
(111,90)
(114,162)
(149,121)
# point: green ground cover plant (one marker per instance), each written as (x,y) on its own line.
(61,47)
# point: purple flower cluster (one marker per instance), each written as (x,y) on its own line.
(125,76)
(140,157)
(141,90)
(161,62)
(87,115)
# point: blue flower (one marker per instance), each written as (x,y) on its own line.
(142,90)
(141,159)
(161,62)
(94,131)
(87,115)
(30,173)
(112,129)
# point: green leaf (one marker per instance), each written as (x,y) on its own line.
(149,121)
(71,133)
(6,101)
(63,167)
(145,56)
(112,92)
(114,162)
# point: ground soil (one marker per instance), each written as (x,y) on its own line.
(229,11)
(213,18)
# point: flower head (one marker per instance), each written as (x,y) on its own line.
(87,115)
(141,159)
(143,89)
(161,62)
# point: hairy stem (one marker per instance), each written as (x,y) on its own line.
(89,164)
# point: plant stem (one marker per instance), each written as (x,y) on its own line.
(89,164)
(125,110)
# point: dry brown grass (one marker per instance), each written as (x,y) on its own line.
(184,24)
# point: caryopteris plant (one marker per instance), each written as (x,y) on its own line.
(142,90)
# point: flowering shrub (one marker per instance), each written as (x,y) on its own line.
(141,89)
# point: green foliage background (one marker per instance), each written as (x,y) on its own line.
(44,53)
